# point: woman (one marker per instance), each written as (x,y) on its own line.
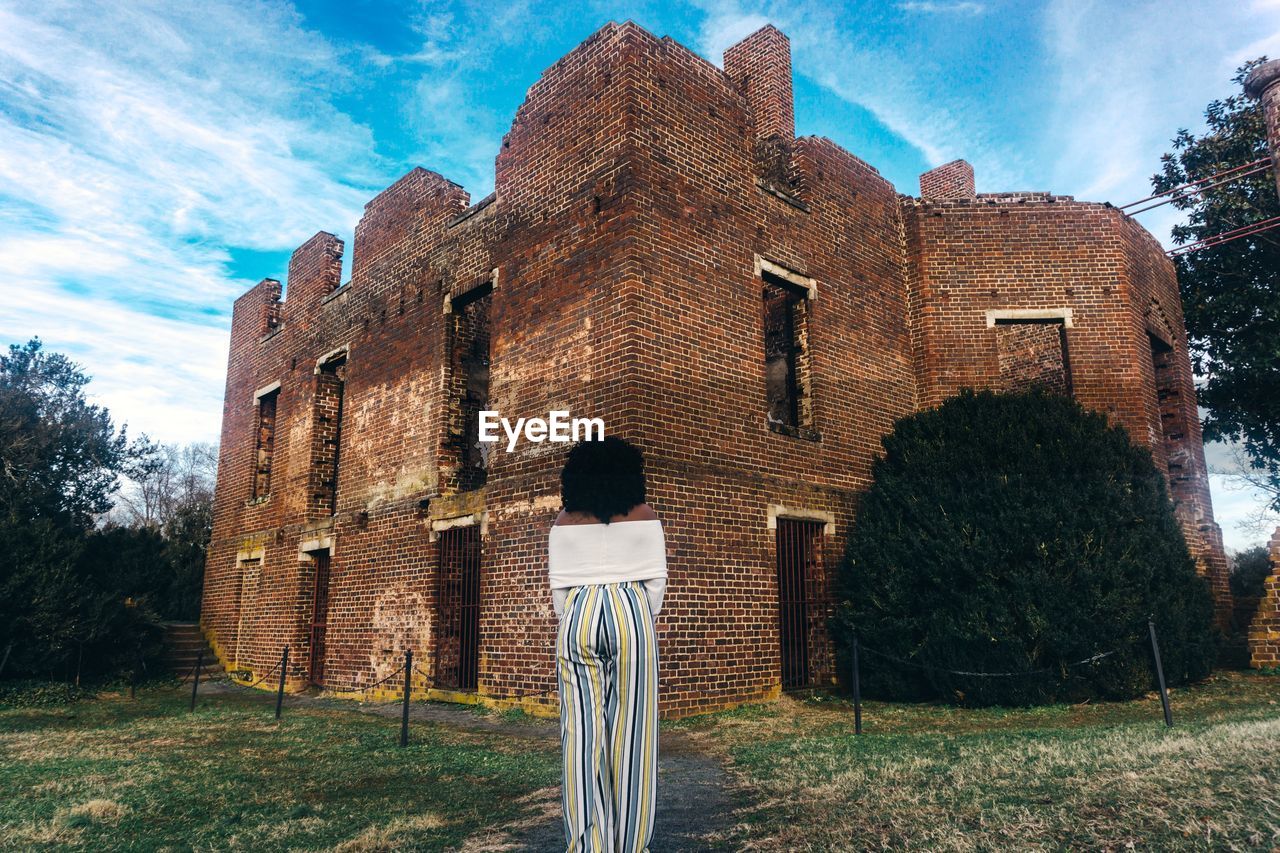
(608,569)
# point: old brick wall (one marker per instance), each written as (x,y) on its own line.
(696,358)
(1264,630)
(987,273)
(1168,393)
(950,180)
(418,245)
(643,198)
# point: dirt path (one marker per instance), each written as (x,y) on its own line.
(696,796)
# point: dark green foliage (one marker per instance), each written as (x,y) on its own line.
(40,694)
(1017,532)
(1231,292)
(186,536)
(62,613)
(1249,571)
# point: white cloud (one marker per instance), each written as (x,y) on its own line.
(163,377)
(933,8)
(137,142)
(725,27)
(1127,76)
(902,91)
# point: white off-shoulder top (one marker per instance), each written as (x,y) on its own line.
(579,554)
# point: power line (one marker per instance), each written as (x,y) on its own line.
(1226,237)
(1180,192)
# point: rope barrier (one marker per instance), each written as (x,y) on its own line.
(968,674)
(189,672)
(267,675)
(380,681)
(548,692)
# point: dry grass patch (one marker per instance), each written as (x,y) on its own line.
(544,805)
(1093,777)
(394,836)
(100,811)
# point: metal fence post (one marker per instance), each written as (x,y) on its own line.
(404,712)
(284,667)
(1164,693)
(195,683)
(857,691)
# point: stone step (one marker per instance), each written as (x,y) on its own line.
(207,671)
(184,641)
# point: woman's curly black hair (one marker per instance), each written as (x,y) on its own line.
(604,478)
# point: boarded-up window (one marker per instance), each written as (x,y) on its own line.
(1033,354)
(265,441)
(250,575)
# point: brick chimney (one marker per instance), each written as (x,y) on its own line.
(948,181)
(760,66)
(1263,83)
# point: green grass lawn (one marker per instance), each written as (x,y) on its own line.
(1094,776)
(146,775)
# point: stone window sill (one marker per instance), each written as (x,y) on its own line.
(795,431)
(782,195)
(257,501)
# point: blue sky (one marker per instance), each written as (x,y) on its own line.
(157,159)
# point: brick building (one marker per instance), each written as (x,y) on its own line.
(752,308)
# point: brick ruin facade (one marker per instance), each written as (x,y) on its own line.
(753,309)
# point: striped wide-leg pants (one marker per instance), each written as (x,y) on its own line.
(607,661)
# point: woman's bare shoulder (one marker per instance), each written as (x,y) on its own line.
(565,518)
(641,512)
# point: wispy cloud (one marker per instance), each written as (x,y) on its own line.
(1127,76)
(900,87)
(135,144)
(933,8)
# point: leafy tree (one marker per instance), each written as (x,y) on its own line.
(60,461)
(1008,533)
(186,537)
(1231,292)
(172,495)
(1250,569)
(61,457)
